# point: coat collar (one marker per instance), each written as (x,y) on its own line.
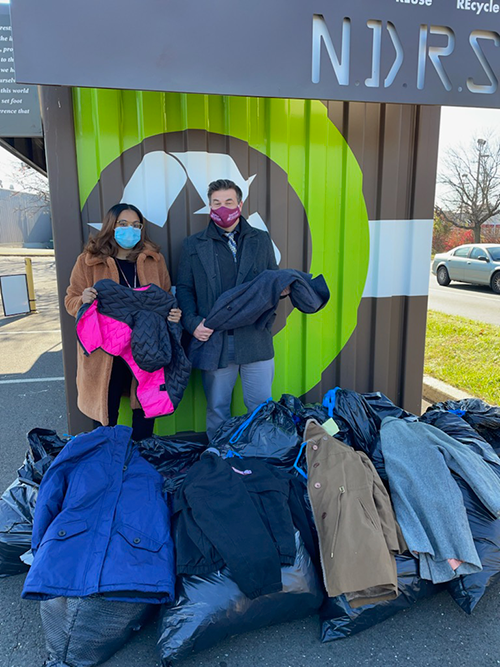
(207,255)
(210,232)
(147,251)
(248,257)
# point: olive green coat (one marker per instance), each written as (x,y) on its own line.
(357,530)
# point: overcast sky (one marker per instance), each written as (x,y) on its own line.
(459,125)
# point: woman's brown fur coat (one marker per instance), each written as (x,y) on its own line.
(93,372)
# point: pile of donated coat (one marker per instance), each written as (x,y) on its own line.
(273,521)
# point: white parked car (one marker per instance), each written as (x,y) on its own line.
(476,263)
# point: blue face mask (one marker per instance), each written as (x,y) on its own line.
(127,237)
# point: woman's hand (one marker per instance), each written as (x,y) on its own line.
(89,295)
(175,315)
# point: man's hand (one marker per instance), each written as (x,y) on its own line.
(285,292)
(202,332)
(89,295)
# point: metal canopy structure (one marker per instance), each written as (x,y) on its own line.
(28,149)
(400,51)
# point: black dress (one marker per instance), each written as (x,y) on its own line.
(121,375)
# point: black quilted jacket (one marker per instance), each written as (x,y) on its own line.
(155,342)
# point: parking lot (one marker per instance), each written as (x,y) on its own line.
(433,633)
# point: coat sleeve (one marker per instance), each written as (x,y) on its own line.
(271,257)
(77,283)
(301,521)
(186,290)
(164,277)
(48,504)
(390,527)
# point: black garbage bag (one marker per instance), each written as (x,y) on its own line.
(301,412)
(83,632)
(43,446)
(17,503)
(484,418)
(17,507)
(338,619)
(358,424)
(384,407)
(212,608)
(359,417)
(268,432)
(468,589)
(171,457)
(455,426)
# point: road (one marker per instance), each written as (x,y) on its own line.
(432,633)
(472,301)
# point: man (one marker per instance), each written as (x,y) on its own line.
(227,253)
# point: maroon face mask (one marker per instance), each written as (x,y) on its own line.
(225,217)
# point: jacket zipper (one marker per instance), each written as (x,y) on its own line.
(128,455)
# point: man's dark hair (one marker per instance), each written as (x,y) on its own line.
(224,184)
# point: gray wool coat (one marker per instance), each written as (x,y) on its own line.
(199,286)
(428,503)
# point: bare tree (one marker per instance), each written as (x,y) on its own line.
(31,181)
(471,177)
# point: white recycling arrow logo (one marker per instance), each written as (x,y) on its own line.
(160,177)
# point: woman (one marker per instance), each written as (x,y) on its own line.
(122,252)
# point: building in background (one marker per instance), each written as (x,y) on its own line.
(25,219)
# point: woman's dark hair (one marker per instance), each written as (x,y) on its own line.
(103,243)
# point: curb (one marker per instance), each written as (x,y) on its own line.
(26,252)
(436,391)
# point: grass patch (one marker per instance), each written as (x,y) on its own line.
(465,354)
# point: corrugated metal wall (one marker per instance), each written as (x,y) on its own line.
(306,169)
(396,147)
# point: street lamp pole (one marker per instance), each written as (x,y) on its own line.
(480,144)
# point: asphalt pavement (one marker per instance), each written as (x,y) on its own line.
(473,301)
(432,633)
